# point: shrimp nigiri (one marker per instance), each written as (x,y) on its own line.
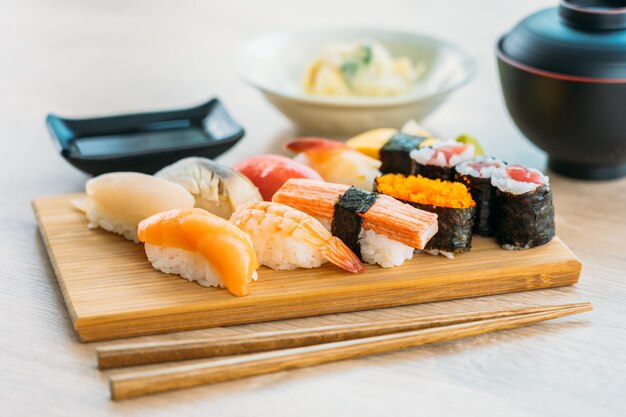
(286,238)
(200,246)
(336,162)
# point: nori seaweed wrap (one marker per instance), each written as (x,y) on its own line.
(346,223)
(524,208)
(455,227)
(435,172)
(438,161)
(475,174)
(395,154)
(451,201)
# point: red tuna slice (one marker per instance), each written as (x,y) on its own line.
(520,173)
(269,172)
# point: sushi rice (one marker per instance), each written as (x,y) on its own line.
(377,248)
(98,217)
(189,265)
(488,165)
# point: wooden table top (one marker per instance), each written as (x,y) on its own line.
(96,58)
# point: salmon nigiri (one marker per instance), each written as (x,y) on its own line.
(336,162)
(200,246)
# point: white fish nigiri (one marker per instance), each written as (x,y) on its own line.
(118,201)
(216,187)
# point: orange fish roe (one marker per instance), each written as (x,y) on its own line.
(422,190)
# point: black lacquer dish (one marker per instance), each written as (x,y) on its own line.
(145,142)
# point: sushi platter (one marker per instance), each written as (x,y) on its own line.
(275,237)
(111,291)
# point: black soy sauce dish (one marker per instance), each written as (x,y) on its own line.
(145,142)
(563,77)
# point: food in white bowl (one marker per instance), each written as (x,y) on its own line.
(360,69)
(275,65)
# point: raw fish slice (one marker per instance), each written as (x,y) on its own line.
(522,174)
(388,216)
(227,250)
(336,162)
(217,188)
(118,201)
(269,172)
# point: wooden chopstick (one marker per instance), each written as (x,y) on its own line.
(115,356)
(138,383)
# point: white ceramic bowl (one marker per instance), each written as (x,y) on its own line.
(275,64)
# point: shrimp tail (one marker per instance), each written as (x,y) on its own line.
(313,144)
(339,254)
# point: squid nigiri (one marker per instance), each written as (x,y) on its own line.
(217,188)
(200,246)
(269,172)
(336,162)
(118,201)
(286,238)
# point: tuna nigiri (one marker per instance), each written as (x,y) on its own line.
(118,201)
(336,162)
(200,246)
(286,238)
(269,172)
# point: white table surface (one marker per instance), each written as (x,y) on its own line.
(84,58)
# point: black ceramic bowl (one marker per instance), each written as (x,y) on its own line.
(569,98)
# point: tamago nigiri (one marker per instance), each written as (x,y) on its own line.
(200,246)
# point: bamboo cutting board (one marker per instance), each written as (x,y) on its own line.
(112,291)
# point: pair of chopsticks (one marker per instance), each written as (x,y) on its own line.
(290,349)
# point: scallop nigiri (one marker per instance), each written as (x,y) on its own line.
(269,172)
(200,246)
(118,201)
(286,238)
(217,188)
(336,162)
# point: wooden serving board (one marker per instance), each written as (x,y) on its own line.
(112,291)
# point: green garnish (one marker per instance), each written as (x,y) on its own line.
(366,54)
(350,68)
(470,140)
(361,58)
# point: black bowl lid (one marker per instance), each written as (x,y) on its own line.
(581,38)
